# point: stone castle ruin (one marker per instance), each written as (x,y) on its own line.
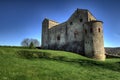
(81,33)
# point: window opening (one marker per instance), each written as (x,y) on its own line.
(71,23)
(81,20)
(58,37)
(98,29)
(91,30)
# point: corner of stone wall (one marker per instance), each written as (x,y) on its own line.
(100,57)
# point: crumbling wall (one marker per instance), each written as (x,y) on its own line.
(75,35)
(94,44)
(52,24)
(90,17)
(57,36)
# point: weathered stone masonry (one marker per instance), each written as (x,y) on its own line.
(81,33)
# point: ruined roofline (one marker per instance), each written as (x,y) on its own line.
(77,10)
(86,11)
(81,9)
(51,20)
(93,21)
(91,14)
(59,25)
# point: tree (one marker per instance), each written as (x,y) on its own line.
(35,42)
(31,45)
(26,42)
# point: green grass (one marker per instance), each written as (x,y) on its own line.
(59,65)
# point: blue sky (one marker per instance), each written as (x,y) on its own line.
(20,19)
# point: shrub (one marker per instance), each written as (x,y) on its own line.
(25,54)
(33,54)
(31,45)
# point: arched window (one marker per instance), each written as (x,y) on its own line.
(98,29)
(91,30)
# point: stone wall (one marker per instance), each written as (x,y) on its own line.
(80,33)
(94,45)
(52,24)
(59,31)
(45,32)
(70,33)
(91,17)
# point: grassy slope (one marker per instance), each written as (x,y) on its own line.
(75,67)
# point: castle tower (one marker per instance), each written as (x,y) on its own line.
(46,25)
(93,40)
(45,33)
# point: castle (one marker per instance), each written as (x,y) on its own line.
(81,33)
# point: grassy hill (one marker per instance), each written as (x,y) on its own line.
(35,64)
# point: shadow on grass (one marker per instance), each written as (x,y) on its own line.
(115,66)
